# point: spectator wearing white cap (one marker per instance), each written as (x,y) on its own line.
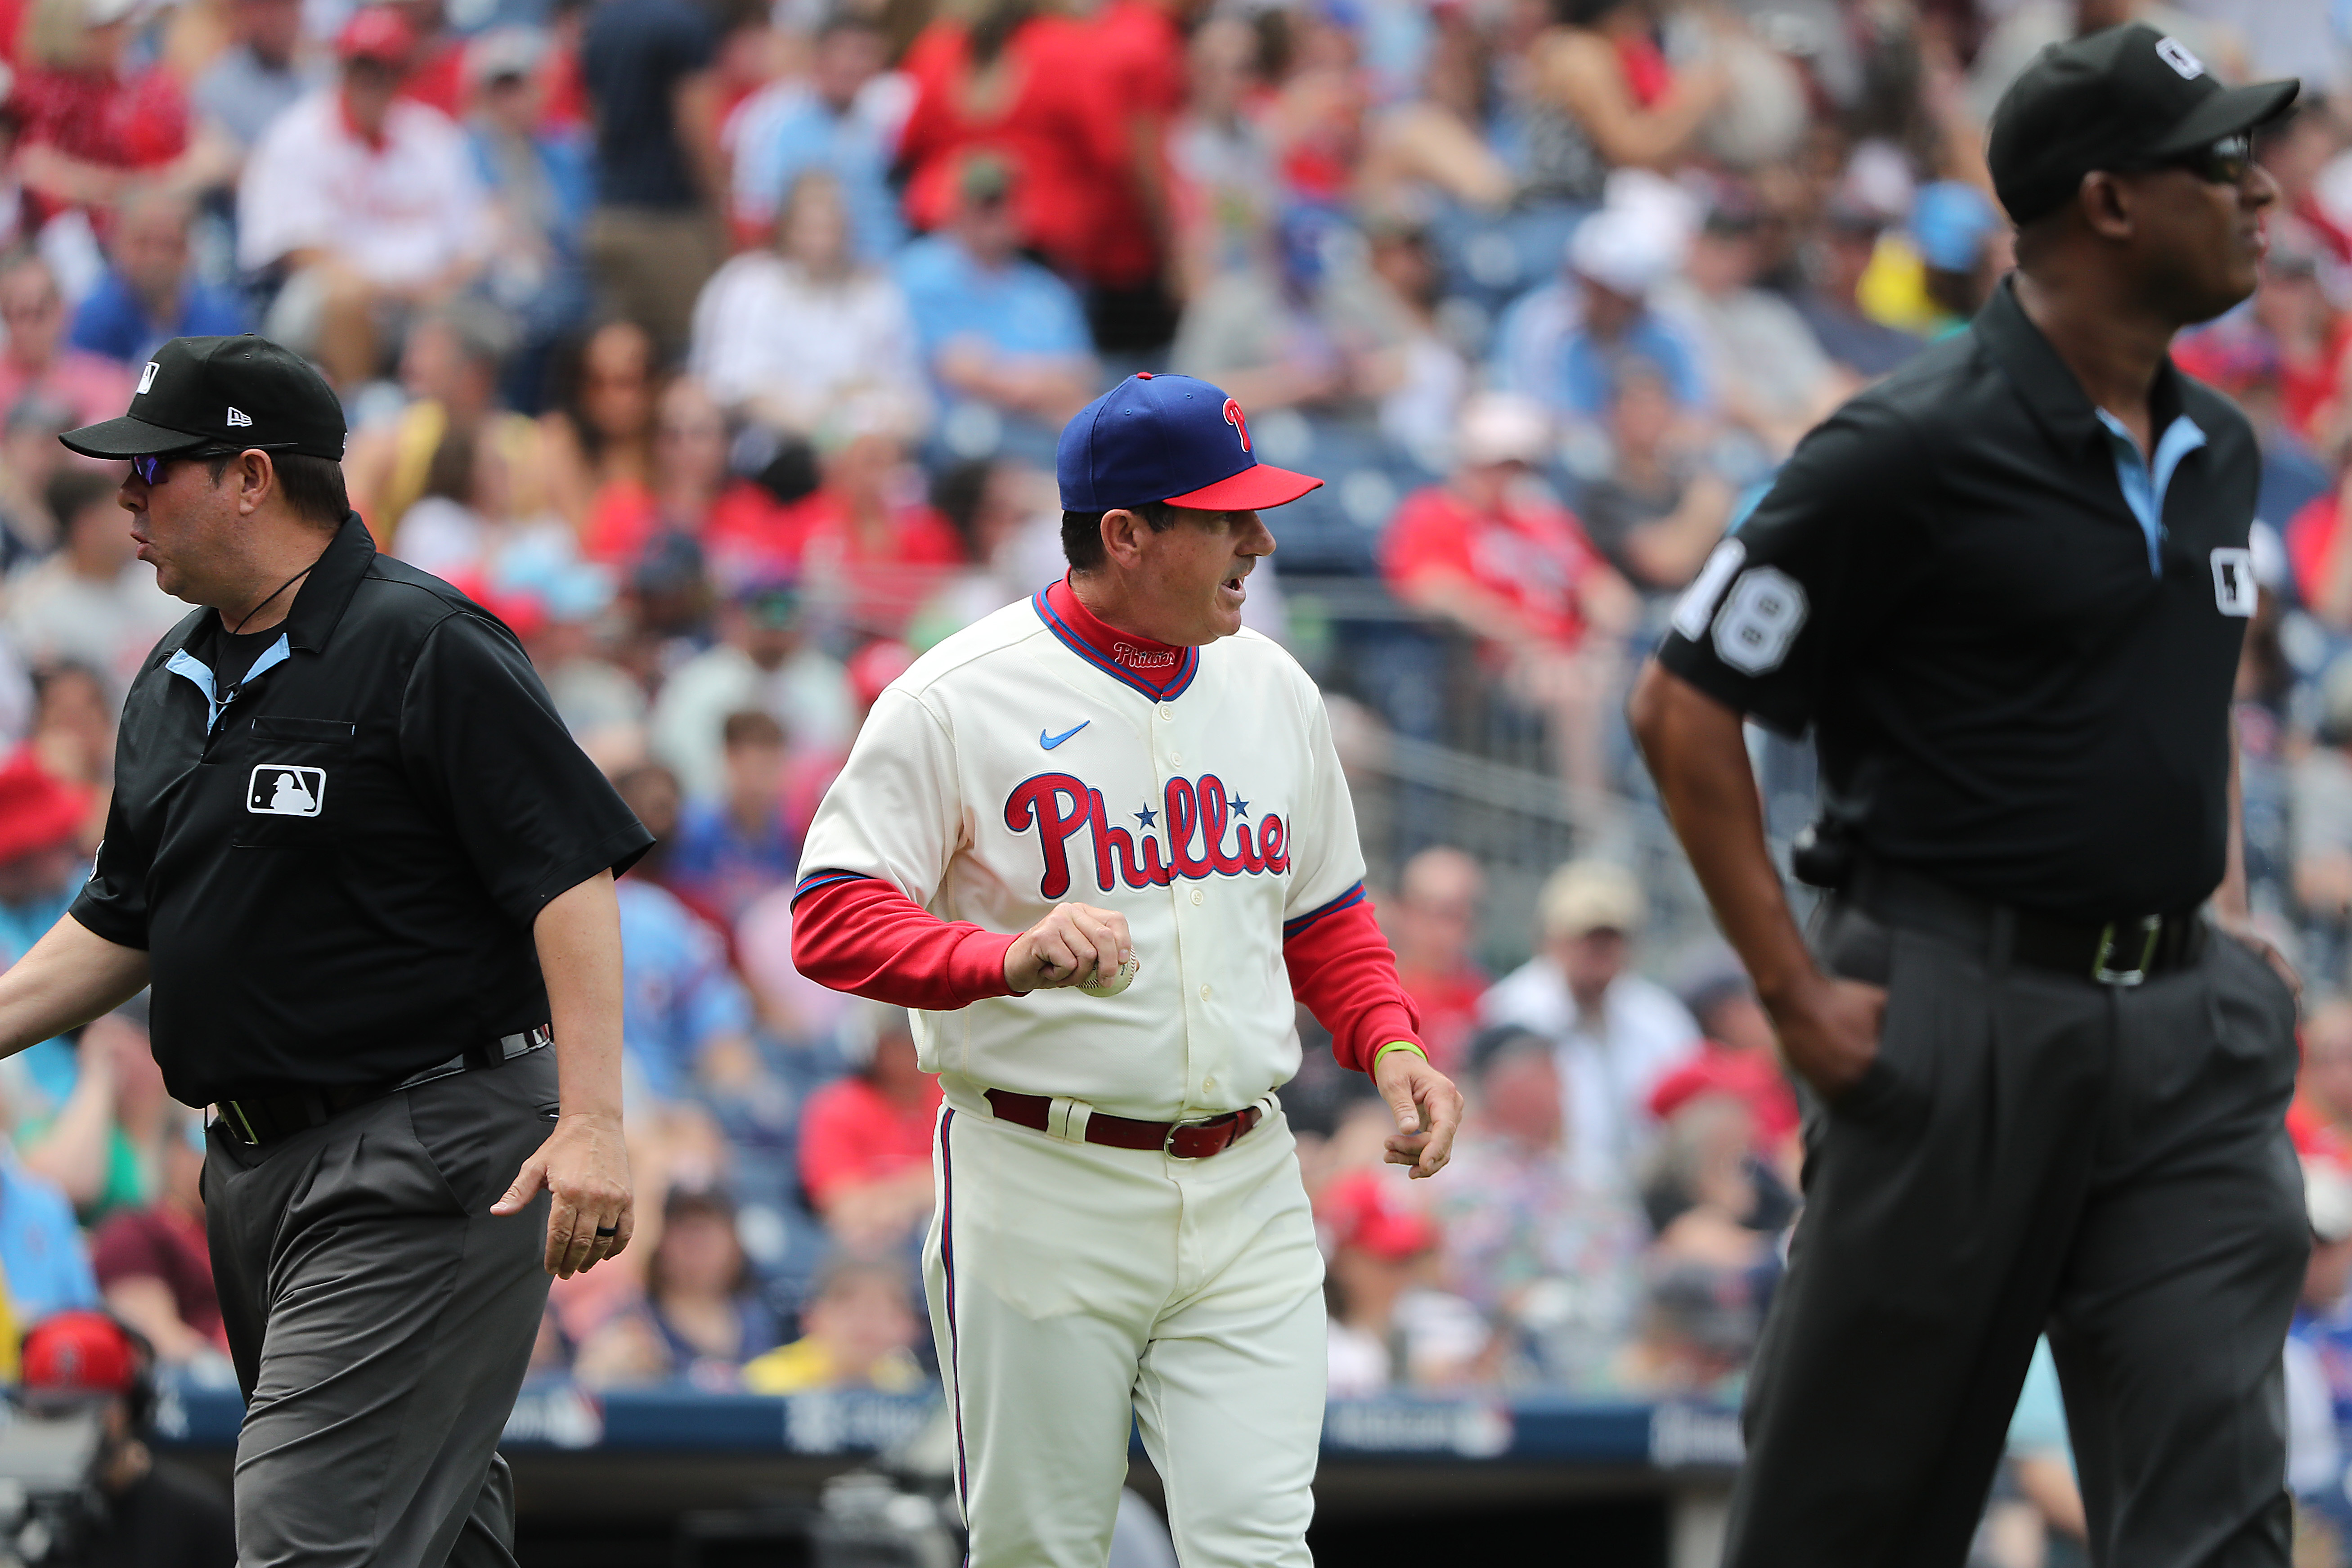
(1616,1032)
(1493,551)
(1561,344)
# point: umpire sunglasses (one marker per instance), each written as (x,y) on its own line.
(2222,163)
(148,466)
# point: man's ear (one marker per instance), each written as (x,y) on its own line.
(1120,529)
(2106,203)
(257,479)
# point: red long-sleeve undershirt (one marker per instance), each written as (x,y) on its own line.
(862,935)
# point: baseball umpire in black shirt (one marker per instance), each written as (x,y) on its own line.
(369,876)
(2005,590)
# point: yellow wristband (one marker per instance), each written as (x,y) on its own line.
(1397,1046)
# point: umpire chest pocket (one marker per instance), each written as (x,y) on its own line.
(290,795)
(316,732)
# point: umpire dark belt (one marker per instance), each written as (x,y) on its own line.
(263,1119)
(1185,1140)
(2117,953)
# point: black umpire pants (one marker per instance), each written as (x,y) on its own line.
(381,1320)
(2031,1151)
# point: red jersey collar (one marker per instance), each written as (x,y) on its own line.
(376,143)
(1158,670)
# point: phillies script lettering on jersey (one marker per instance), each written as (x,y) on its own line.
(1135,657)
(1193,820)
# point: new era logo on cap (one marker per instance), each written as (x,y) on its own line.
(147,376)
(237,418)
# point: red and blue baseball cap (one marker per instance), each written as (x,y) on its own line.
(1171,438)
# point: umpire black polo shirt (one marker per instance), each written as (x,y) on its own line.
(2012,689)
(333,858)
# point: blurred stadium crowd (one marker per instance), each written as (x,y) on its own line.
(720,348)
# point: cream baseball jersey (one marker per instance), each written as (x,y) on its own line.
(1019,766)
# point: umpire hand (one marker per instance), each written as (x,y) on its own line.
(1077,944)
(584,1165)
(1829,1030)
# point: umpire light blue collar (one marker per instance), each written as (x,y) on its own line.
(2145,479)
(1172,439)
(2056,400)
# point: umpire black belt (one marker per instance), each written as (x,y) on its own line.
(2116,952)
(262,1119)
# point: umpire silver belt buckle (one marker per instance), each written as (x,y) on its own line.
(2147,929)
(240,1125)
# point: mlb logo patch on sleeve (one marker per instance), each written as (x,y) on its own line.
(2234,588)
(285,789)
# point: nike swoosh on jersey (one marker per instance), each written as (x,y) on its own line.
(1050,741)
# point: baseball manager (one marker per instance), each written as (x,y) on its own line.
(1113,781)
(365,869)
(2006,590)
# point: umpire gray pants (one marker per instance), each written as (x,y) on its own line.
(381,1320)
(2031,1151)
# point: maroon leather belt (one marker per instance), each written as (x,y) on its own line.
(1183,1140)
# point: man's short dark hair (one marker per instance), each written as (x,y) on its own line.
(750,727)
(72,491)
(313,486)
(1082,531)
(848,20)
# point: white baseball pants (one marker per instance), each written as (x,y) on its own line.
(1073,1285)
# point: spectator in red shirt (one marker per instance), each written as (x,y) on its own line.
(153,1265)
(1492,552)
(1737,1055)
(2323,1100)
(866,537)
(437,65)
(89,125)
(1026,85)
(2319,554)
(38,363)
(690,493)
(865,1139)
(1432,923)
(1139,49)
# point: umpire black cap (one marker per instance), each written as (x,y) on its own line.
(236,392)
(2121,97)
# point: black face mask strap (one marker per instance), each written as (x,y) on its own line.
(273,594)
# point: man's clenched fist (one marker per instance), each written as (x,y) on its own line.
(1075,945)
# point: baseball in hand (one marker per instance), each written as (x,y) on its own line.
(1119,981)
